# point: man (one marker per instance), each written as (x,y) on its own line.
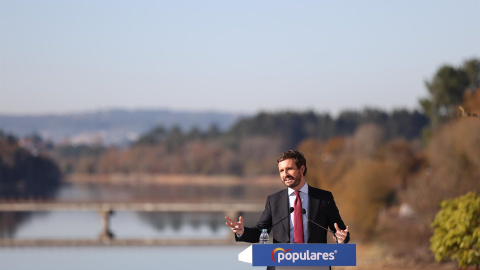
(319,207)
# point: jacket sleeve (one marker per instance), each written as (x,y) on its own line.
(252,234)
(334,217)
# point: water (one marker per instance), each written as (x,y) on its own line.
(264,237)
(59,224)
(123,258)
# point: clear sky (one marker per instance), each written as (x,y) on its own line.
(229,56)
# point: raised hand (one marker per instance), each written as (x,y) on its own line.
(341,234)
(237,227)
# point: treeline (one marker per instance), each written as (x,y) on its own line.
(23,175)
(249,147)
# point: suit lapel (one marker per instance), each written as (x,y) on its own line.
(283,201)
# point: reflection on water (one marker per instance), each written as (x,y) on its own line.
(123,225)
(192,224)
(60,224)
(10,221)
(175,220)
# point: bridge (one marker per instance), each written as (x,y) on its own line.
(106,209)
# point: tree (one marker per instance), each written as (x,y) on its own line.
(367,139)
(452,162)
(446,91)
(456,233)
(471,103)
(156,135)
(371,184)
(472,68)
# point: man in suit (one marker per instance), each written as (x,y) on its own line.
(319,207)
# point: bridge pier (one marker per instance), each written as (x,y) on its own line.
(106,234)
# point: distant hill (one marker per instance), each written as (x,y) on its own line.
(110,126)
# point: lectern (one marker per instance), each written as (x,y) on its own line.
(300,256)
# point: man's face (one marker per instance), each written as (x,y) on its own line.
(290,175)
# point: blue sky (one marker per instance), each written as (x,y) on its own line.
(229,56)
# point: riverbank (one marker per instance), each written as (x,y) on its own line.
(173,179)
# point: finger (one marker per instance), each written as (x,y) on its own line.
(340,238)
(229,220)
(346,230)
(336,227)
(240,220)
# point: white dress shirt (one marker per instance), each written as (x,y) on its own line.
(291,200)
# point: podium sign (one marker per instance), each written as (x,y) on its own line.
(303,254)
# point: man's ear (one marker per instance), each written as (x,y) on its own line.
(302,169)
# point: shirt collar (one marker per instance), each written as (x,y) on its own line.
(303,189)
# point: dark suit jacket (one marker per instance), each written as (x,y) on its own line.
(321,209)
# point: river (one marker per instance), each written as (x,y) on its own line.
(123,258)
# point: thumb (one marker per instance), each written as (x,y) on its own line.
(346,230)
(240,220)
(336,227)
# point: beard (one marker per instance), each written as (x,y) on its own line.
(292,184)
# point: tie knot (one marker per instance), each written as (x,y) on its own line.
(297,193)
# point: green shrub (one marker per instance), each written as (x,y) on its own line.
(456,234)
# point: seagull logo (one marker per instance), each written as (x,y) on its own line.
(279,249)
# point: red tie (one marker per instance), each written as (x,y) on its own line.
(298,220)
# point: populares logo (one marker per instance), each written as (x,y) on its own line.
(279,249)
(302,256)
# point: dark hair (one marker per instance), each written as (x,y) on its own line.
(299,159)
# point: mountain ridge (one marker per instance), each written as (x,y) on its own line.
(110,126)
